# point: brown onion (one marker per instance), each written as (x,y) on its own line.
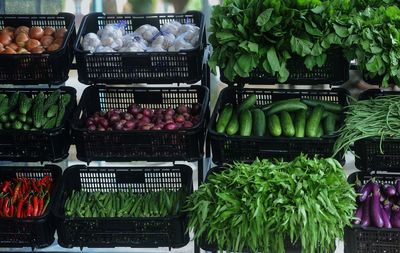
(58,41)
(5,39)
(9,30)
(49,31)
(21,39)
(60,33)
(22,50)
(53,47)
(9,50)
(36,33)
(14,46)
(37,50)
(46,41)
(31,44)
(21,29)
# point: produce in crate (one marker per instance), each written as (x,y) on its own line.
(20,112)
(284,118)
(124,204)
(27,40)
(137,117)
(259,206)
(23,197)
(172,37)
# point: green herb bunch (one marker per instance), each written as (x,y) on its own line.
(262,205)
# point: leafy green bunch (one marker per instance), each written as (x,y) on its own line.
(263,205)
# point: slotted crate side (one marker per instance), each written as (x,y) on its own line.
(41,145)
(118,232)
(52,68)
(236,148)
(371,153)
(164,145)
(155,67)
(35,232)
(335,72)
(360,240)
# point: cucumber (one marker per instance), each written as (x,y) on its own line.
(3,118)
(265,108)
(29,120)
(17,125)
(246,123)
(12,116)
(233,125)
(314,121)
(300,123)
(7,125)
(287,124)
(52,111)
(249,102)
(26,127)
(274,125)
(22,117)
(13,101)
(258,122)
(290,106)
(327,105)
(329,124)
(320,131)
(224,118)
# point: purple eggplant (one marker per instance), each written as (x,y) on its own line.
(397,186)
(365,191)
(387,207)
(358,215)
(389,190)
(395,219)
(375,207)
(385,218)
(366,219)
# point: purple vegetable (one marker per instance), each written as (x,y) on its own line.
(147,127)
(170,126)
(187,116)
(147,112)
(366,219)
(397,186)
(146,119)
(170,111)
(167,117)
(139,116)
(385,218)
(96,119)
(134,109)
(130,124)
(127,116)
(100,128)
(169,121)
(89,122)
(365,191)
(187,124)
(91,127)
(182,109)
(389,190)
(103,122)
(358,215)
(157,128)
(395,219)
(119,125)
(179,119)
(387,207)
(376,214)
(114,118)
(158,111)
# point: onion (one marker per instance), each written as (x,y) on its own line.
(49,31)
(147,112)
(179,119)
(179,125)
(130,124)
(103,122)
(158,111)
(22,50)
(96,118)
(170,111)
(170,126)
(89,121)
(139,116)
(187,124)
(60,33)
(115,118)
(21,39)
(8,50)
(46,41)
(156,128)
(31,44)
(91,127)
(169,122)
(127,116)
(5,39)
(100,128)
(58,41)
(14,46)
(37,50)
(36,33)
(168,117)
(134,109)
(182,109)
(102,114)
(146,119)
(53,47)
(147,127)
(9,30)
(21,29)
(187,116)
(119,125)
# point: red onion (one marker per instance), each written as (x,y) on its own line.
(179,119)
(103,122)
(147,112)
(139,116)
(91,128)
(168,117)
(170,111)
(182,109)
(100,128)
(127,116)
(187,124)
(89,121)
(146,119)
(147,127)
(96,118)
(187,116)
(134,109)
(130,124)
(115,118)
(170,126)
(156,128)
(158,111)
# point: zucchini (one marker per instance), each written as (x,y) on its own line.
(13,102)
(52,100)
(300,123)
(259,125)
(327,105)
(65,99)
(52,111)
(246,123)
(233,125)
(274,125)
(265,108)
(25,103)
(329,124)
(249,102)
(289,106)
(224,118)
(287,124)
(314,121)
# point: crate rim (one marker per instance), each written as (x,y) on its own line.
(77,42)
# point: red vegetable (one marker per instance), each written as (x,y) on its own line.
(147,112)
(19,208)
(16,192)
(187,124)
(92,128)
(103,122)
(170,126)
(182,109)
(115,118)
(35,206)
(139,116)
(179,119)
(6,186)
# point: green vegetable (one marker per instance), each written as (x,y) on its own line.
(245,120)
(300,123)
(38,112)
(50,123)
(224,118)
(52,111)
(25,103)
(274,125)
(329,124)
(233,125)
(65,99)
(314,121)
(249,102)
(13,101)
(12,116)
(259,124)
(4,106)
(17,125)
(255,207)
(287,124)
(289,106)
(52,100)
(22,117)
(26,127)
(4,118)
(320,131)
(328,106)
(7,125)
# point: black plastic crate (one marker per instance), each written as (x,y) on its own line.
(164,145)
(142,67)
(39,145)
(51,68)
(168,231)
(35,232)
(367,151)
(227,149)
(375,240)
(334,72)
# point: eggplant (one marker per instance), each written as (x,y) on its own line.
(358,215)
(397,186)
(366,219)
(375,207)
(389,190)
(387,207)
(385,218)
(395,219)
(365,191)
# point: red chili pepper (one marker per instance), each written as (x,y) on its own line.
(46,204)
(16,192)
(41,206)
(6,186)
(12,207)
(29,210)
(35,206)
(34,186)
(6,207)
(1,205)
(19,208)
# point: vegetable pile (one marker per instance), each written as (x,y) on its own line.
(23,197)
(260,206)
(171,37)
(143,118)
(124,204)
(376,117)
(33,40)
(288,118)
(378,204)
(18,111)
